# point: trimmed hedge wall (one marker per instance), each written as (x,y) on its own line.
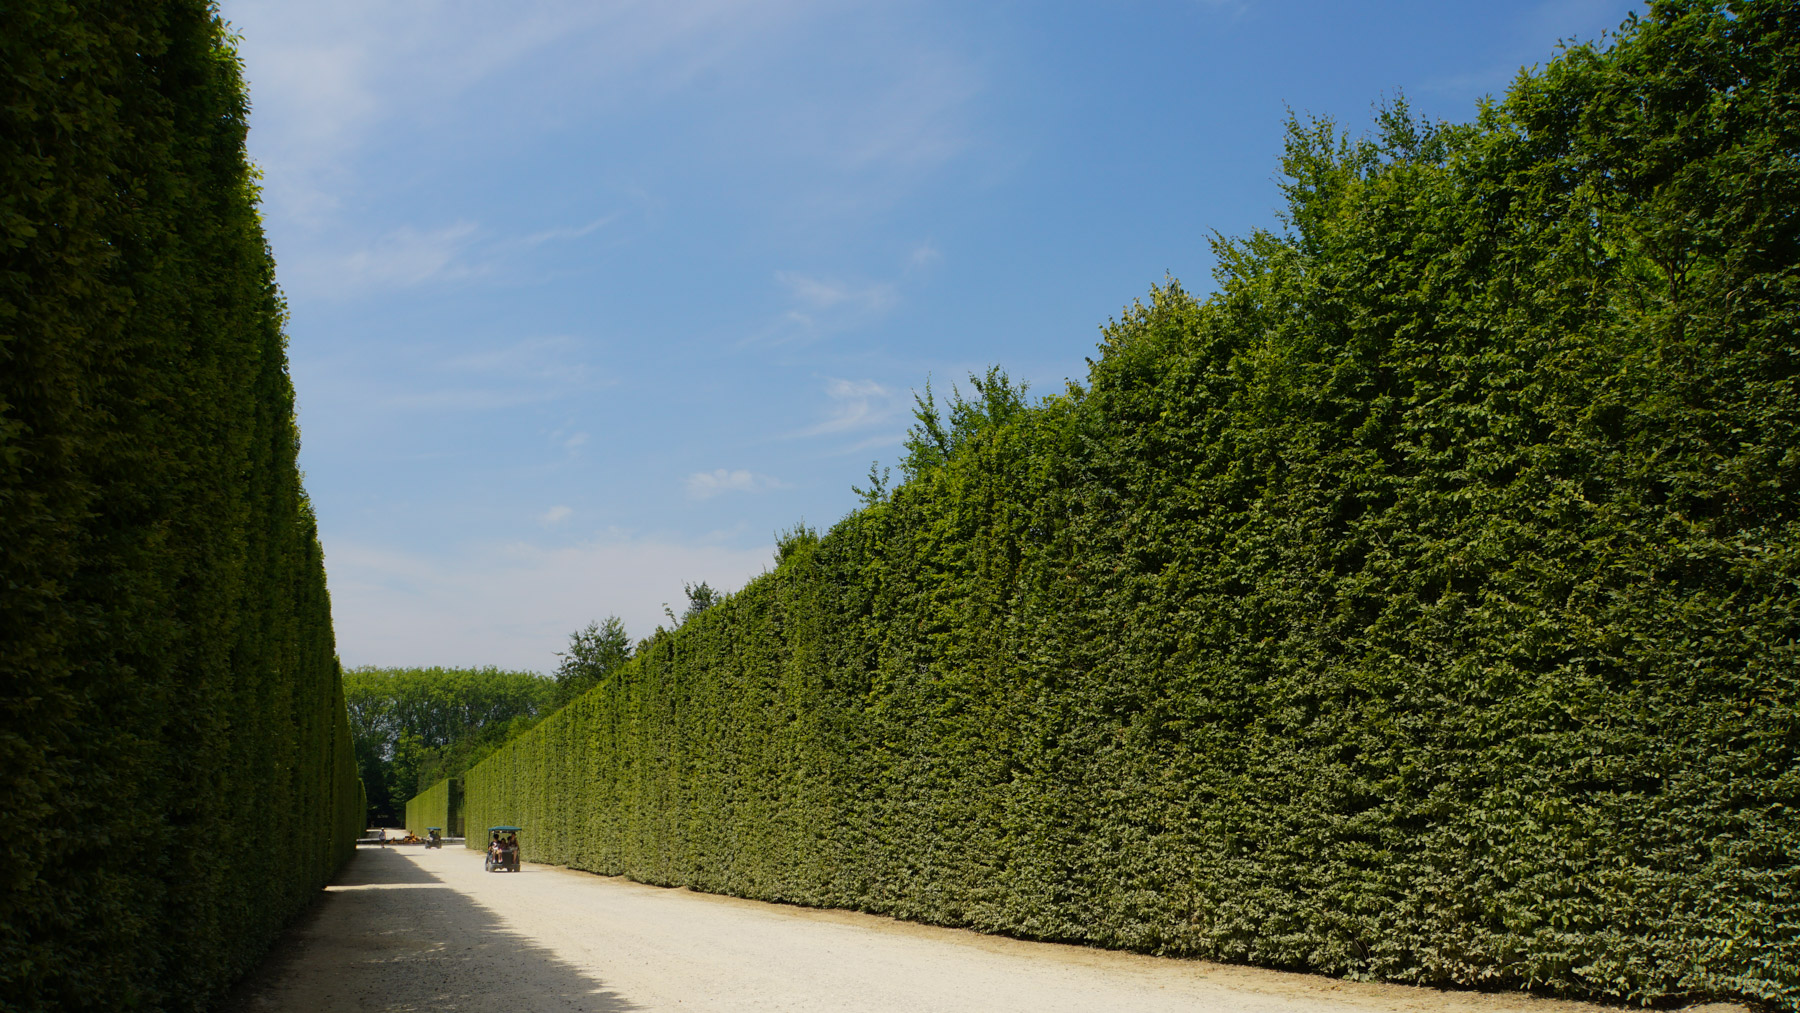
(1421,607)
(175,761)
(437,806)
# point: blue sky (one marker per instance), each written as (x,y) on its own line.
(590,299)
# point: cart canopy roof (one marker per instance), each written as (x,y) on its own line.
(506,829)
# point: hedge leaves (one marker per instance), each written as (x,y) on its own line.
(175,762)
(1423,606)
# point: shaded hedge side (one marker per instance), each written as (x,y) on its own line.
(1424,606)
(175,761)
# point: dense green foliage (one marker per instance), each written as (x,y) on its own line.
(177,771)
(416,725)
(1422,606)
(594,651)
(413,727)
(437,806)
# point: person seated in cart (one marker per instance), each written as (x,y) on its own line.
(503,852)
(432,838)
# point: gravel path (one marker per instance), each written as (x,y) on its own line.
(407,928)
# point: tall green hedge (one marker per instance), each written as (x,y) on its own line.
(1423,606)
(176,773)
(437,806)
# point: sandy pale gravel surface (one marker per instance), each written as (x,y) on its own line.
(406,928)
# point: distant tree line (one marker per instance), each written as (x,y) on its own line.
(1422,606)
(416,727)
(413,727)
(176,772)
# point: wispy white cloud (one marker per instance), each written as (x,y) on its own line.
(551,357)
(853,405)
(826,293)
(821,306)
(568,233)
(335,82)
(464,399)
(328,75)
(707,484)
(527,371)
(916,123)
(874,443)
(567,438)
(555,515)
(500,375)
(408,257)
(402,258)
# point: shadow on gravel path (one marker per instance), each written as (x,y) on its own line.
(380,867)
(389,937)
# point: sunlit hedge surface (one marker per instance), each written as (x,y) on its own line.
(1423,606)
(437,806)
(176,775)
